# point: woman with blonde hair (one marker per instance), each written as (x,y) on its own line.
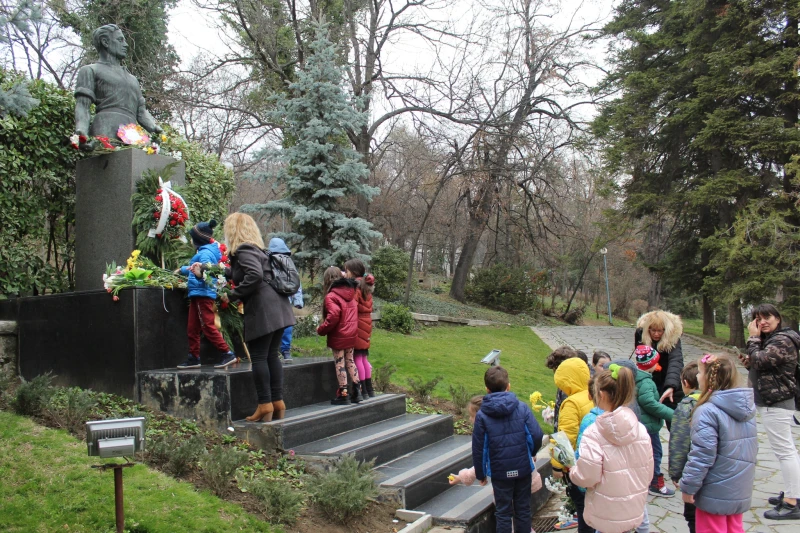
(662,330)
(266,313)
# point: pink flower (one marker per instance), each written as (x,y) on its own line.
(116,298)
(291,453)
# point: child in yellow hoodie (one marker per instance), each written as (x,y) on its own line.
(572,377)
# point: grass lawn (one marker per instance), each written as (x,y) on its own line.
(48,485)
(694,326)
(454,352)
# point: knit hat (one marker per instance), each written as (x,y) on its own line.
(203,232)
(647,358)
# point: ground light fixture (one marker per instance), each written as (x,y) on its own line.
(121,437)
(492,358)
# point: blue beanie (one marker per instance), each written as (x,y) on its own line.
(203,232)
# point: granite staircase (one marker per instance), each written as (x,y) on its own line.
(413,453)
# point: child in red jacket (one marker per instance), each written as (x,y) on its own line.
(355,269)
(340,324)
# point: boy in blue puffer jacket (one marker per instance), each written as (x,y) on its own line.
(202,298)
(504,439)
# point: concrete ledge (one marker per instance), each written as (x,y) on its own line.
(424,318)
(421,524)
(8,327)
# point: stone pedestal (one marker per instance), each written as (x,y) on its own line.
(103,210)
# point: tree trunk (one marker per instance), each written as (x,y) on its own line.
(709,326)
(478,218)
(736,324)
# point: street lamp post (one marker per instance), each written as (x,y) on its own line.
(603,252)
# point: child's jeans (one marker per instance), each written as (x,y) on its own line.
(362,363)
(715,523)
(341,359)
(512,502)
(201,319)
(658,454)
(286,339)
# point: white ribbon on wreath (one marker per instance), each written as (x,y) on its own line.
(166,190)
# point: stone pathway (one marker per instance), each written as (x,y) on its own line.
(666,514)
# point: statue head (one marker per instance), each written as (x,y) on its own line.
(111,39)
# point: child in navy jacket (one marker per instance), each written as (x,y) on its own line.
(504,439)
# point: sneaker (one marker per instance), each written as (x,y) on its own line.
(783,511)
(287,356)
(568,524)
(660,489)
(191,362)
(776,500)
(228,359)
(341,397)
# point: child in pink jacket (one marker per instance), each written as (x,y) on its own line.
(467,475)
(616,458)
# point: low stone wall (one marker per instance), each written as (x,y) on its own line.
(8,347)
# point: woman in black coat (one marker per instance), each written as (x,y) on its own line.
(662,330)
(266,313)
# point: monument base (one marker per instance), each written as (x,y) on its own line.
(88,340)
(104,185)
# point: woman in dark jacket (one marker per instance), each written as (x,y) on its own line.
(662,330)
(772,353)
(266,313)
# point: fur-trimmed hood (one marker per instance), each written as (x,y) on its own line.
(673,329)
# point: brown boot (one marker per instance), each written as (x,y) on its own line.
(279,409)
(263,413)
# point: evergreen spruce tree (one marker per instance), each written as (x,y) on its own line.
(320,172)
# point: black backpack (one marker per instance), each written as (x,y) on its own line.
(285,278)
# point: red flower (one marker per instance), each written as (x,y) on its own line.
(82,139)
(223,248)
(224,304)
(156,215)
(172,222)
(116,298)
(224,259)
(212,240)
(232,284)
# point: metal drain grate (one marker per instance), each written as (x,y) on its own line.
(545,524)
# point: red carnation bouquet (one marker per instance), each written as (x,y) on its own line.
(175,215)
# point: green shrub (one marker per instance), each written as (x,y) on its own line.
(396,318)
(72,406)
(685,306)
(382,377)
(282,502)
(346,489)
(305,326)
(460,396)
(512,290)
(422,388)
(390,268)
(33,396)
(177,453)
(220,465)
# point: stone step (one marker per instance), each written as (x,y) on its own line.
(460,506)
(215,397)
(472,508)
(382,441)
(422,474)
(309,423)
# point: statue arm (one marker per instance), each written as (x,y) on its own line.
(145,118)
(84,98)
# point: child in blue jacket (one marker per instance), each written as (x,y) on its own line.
(202,298)
(504,438)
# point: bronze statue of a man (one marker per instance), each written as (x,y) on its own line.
(113,90)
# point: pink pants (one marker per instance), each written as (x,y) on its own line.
(714,523)
(362,363)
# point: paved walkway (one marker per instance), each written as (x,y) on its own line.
(666,514)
